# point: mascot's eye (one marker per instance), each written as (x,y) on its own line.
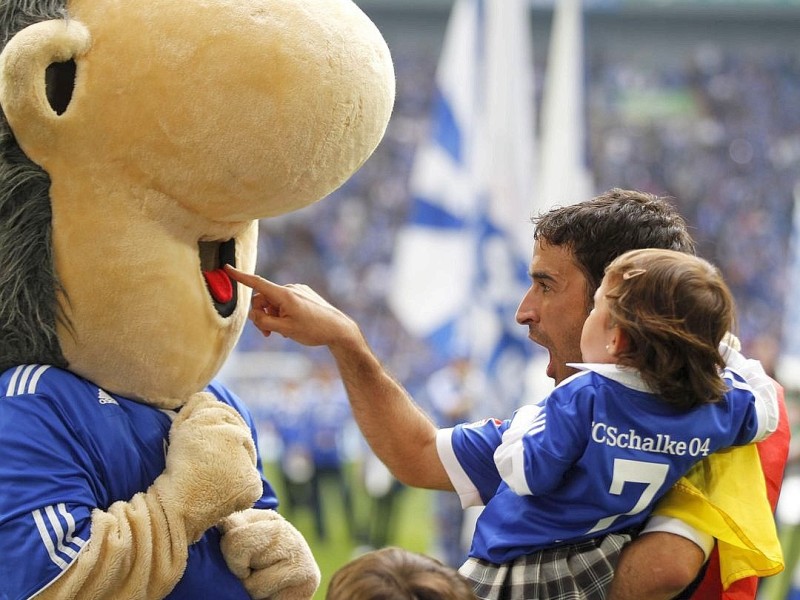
(60,82)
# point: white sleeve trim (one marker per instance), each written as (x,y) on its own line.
(466,490)
(40,591)
(677,527)
(762,386)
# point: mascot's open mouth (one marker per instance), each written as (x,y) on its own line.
(213,256)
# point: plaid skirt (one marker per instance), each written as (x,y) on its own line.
(573,572)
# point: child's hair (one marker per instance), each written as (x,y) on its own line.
(676,309)
(397,574)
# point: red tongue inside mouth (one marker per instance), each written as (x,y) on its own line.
(220,285)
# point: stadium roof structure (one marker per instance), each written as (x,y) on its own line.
(778,7)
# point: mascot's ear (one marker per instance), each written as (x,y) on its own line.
(37,77)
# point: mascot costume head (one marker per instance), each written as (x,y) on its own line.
(140,144)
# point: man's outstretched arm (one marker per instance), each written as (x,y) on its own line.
(396,429)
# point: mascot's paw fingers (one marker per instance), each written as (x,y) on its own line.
(264,549)
(246,517)
(202,503)
(213,441)
(265,538)
(239,564)
(197,402)
(203,409)
(284,581)
(211,465)
(245,491)
(216,464)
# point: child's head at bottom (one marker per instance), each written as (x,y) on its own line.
(396,574)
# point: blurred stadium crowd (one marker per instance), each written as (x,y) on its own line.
(721,135)
(725,142)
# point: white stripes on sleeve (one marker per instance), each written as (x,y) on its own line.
(510,454)
(56,527)
(25,379)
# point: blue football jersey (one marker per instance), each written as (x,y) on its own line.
(590,459)
(68,447)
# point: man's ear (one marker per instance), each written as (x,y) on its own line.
(40,56)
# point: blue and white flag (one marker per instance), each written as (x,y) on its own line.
(461,262)
(564,176)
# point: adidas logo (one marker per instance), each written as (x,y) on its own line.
(105,398)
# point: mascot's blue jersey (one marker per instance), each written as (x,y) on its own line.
(592,458)
(67,447)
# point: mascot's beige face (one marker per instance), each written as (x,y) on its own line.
(188,121)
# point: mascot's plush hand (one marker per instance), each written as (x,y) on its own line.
(211,465)
(269,555)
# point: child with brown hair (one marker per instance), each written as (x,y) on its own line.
(396,574)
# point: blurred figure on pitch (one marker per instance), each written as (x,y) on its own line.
(294,457)
(454,393)
(327,414)
(383,491)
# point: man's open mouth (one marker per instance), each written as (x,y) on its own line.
(213,256)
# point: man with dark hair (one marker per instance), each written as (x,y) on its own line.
(573,245)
